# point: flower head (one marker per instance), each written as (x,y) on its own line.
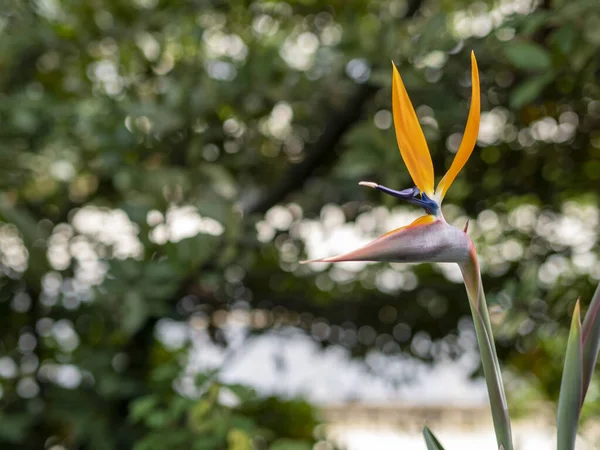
(429,238)
(415,152)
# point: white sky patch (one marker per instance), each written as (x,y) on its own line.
(278,123)
(13,253)
(62,170)
(265,25)
(219,44)
(479,19)
(8,367)
(451,272)
(576,227)
(331,34)
(220,70)
(105,74)
(358,69)
(99,233)
(172,333)
(491,125)
(292,364)
(497,125)
(547,129)
(148,45)
(67,376)
(435,60)
(279,217)
(299,51)
(181,222)
(110,227)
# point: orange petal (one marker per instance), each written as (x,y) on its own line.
(409,135)
(469,137)
(427,239)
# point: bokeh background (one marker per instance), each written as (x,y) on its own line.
(165,164)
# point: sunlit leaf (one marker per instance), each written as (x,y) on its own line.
(142,407)
(527,56)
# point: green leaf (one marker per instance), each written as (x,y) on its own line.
(533,22)
(569,401)
(142,407)
(222,181)
(238,440)
(217,209)
(564,38)
(431,440)
(134,312)
(208,442)
(179,407)
(198,415)
(197,249)
(528,56)
(529,90)
(243,393)
(159,281)
(591,341)
(14,427)
(157,419)
(290,444)
(242,422)
(136,211)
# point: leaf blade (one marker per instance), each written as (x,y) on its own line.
(530,89)
(528,56)
(569,401)
(591,341)
(431,441)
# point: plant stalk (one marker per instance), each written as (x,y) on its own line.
(487,350)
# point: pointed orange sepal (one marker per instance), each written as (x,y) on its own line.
(469,137)
(409,135)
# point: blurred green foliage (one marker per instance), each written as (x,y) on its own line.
(256,423)
(165,159)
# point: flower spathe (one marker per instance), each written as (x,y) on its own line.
(429,238)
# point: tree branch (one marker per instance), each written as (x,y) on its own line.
(318,154)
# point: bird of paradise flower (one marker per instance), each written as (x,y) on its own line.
(431,239)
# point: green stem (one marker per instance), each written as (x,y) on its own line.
(487,350)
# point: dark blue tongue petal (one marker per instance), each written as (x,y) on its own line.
(411,195)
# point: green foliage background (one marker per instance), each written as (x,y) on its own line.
(261,117)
